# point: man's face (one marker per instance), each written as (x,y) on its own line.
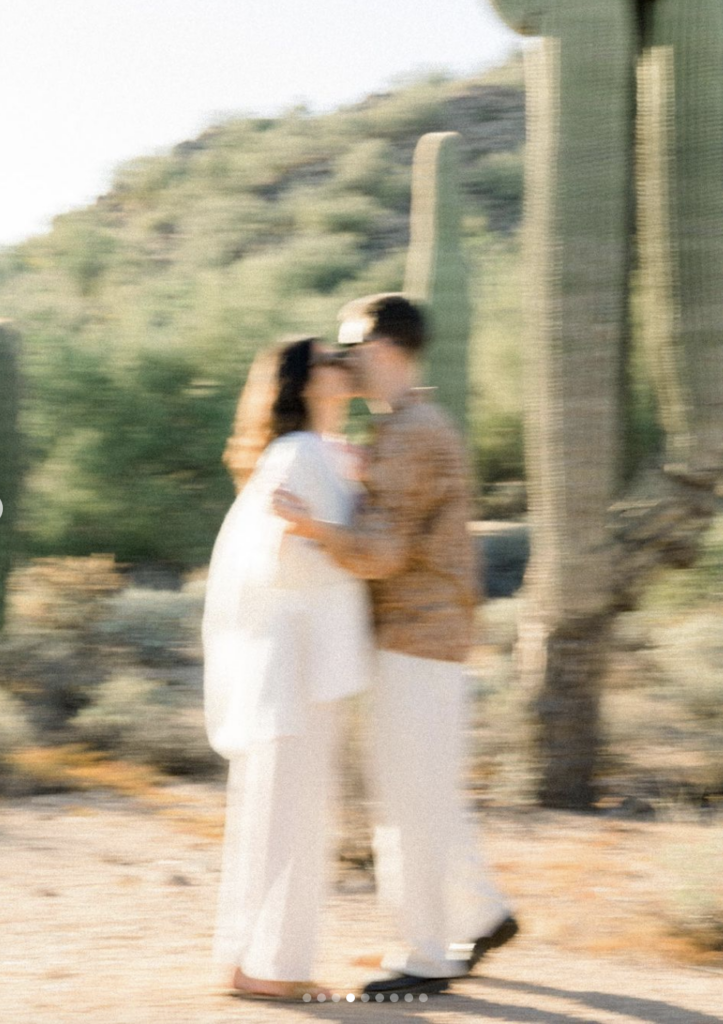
(367,363)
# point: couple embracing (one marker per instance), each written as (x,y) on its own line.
(333,573)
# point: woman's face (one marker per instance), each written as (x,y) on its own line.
(330,379)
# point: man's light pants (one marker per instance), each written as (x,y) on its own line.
(427,859)
(278,816)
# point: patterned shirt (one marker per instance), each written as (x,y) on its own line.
(409,535)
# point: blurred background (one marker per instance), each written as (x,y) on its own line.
(261,174)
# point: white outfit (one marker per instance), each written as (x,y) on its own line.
(283,626)
(286,635)
(426,854)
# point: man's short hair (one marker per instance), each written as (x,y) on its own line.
(390,315)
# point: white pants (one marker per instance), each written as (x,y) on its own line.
(275,853)
(427,858)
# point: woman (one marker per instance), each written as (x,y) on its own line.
(286,636)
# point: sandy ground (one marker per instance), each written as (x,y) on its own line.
(108,911)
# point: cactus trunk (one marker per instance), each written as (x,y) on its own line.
(577,266)
(436,273)
(9,452)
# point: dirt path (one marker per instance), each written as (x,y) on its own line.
(107,916)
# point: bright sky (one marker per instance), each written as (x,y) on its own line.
(86,84)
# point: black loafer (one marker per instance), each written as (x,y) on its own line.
(504,932)
(403,983)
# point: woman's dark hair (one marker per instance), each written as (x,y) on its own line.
(272,404)
(289,411)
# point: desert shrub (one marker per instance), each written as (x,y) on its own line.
(335,214)
(500,743)
(365,167)
(83,250)
(385,275)
(663,702)
(47,652)
(142,179)
(500,176)
(73,625)
(157,627)
(413,111)
(62,593)
(145,721)
(700,585)
(693,894)
(216,231)
(689,656)
(310,263)
(496,359)
(54,674)
(16,733)
(317,262)
(154,440)
(15,727)
(500,735)
(500,448)
(498,622)
(67,767)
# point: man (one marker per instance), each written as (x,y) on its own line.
(409,538)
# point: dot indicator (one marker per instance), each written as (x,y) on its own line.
(350,997)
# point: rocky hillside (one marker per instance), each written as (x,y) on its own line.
(139,314)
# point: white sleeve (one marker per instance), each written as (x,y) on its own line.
(293,462)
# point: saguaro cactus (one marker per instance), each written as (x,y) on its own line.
(577,244)
(436,273)
(578,240)
(681,206)
(9,450)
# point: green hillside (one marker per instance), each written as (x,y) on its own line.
(140,313)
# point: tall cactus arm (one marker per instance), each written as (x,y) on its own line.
(662,517)
(680,188)
(436,273)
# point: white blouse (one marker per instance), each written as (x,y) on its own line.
(282,624)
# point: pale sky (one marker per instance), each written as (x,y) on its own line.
(87,84)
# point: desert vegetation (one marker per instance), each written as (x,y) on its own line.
(139,317)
